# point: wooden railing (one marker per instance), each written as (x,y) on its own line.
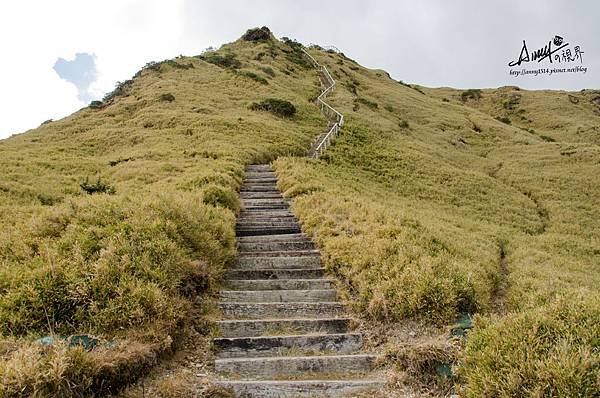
(328,85)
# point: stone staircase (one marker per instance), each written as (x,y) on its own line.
(284,333)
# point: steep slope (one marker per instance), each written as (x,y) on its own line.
(426,207)
(162,159)
(431,209)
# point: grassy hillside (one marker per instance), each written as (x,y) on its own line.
(114,219)
(426,207)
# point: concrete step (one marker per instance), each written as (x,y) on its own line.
(261,167)
(274,238)
(267,346)
(278,262)
(257,223)
(261,195)
(273,273)
(278,245)
(264,202)
(260,180)
(280,310)
(281,253)
(259,172)
(269,327)
(277,296)
(266,207)
(305,366)
(280,284)
(259,188)
(241,231)
(255,231)
(265,213)
(300,388)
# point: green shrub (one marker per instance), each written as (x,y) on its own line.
(96,105)
(97,187)
(547,138)
(216,195)
(403,124)
(268,70)
(255,77)
(121,89)
(228,60)
(503,119)
(281,108)
(167,97)
(257,34)
(551,351)
(471,93)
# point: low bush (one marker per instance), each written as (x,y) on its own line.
(97,187)
(268,70)
(403,124)
(551,351)
(471,93)
(547,138)
(96,105)
(257,34)
(255,77)
(503,119)
(281,108)
(121,89)
(168,97)
(228,60)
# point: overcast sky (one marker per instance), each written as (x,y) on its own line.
(58,55)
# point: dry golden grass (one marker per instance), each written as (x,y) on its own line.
(430,208)
(424,208)
(127,266)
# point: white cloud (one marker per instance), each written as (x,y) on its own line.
(123,34)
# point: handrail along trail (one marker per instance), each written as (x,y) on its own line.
(326,109)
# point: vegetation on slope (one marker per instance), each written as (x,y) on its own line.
(428,207)
(116,222)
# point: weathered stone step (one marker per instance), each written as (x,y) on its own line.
(257,172)
(260,188)
(260,218)
(266,346)
(273,273)
(281,253)
(267,222)
(280,284)
(265,213)
(258,167)
(280,310)
(274,238)
(259,176)
(258,207)
(270,327)
(268,262)
(264,202)
(261,195)
(277,245)
(277,296)
(249,231)
(306,367)
(300,388)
